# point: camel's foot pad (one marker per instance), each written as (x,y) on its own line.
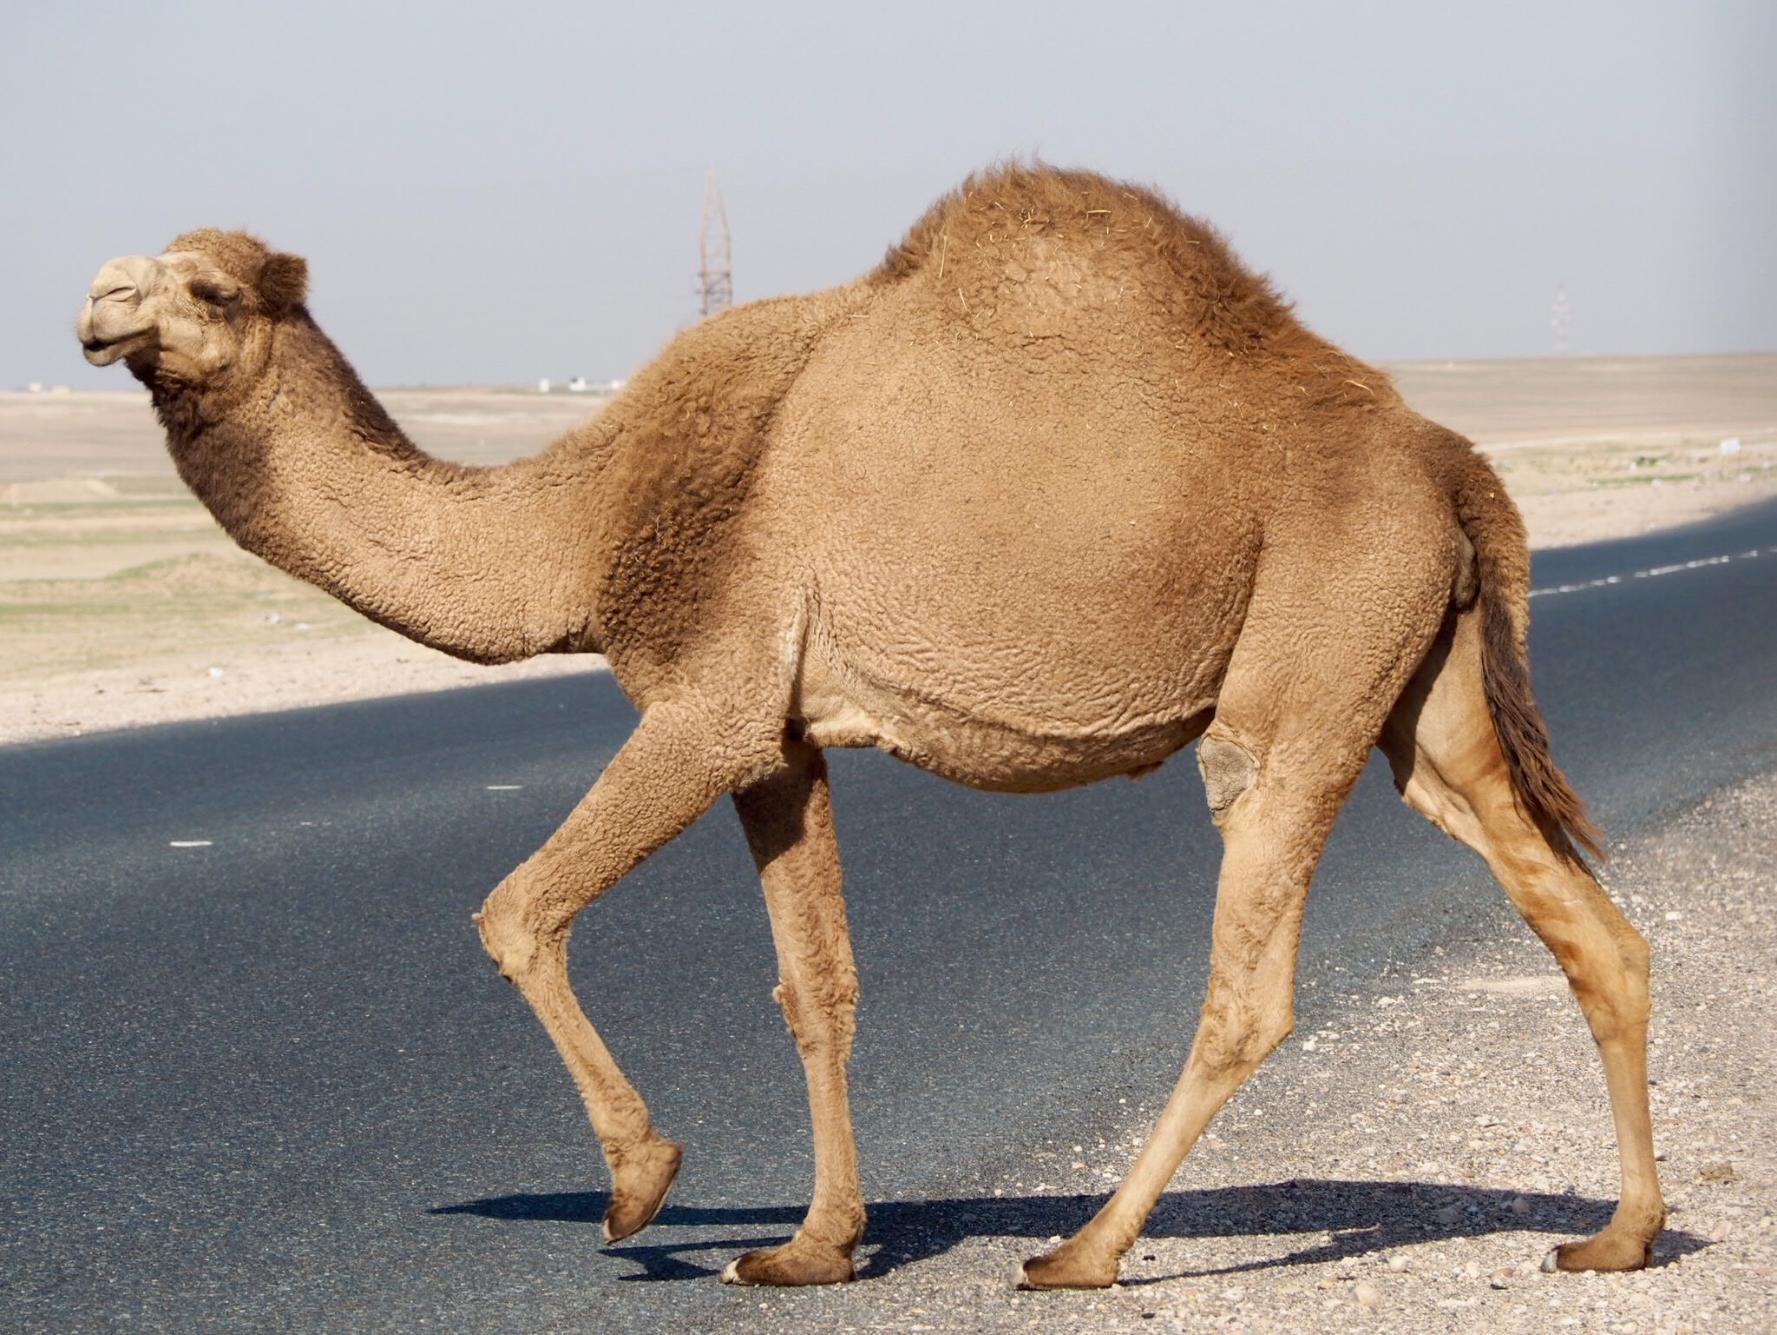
(1609,1250)
(799,1261)
(1070,1266)
(639,1187)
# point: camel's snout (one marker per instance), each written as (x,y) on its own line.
(111,317)
(129,274)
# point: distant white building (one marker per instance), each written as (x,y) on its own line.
(579,384)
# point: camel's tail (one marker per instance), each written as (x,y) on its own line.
(1502,559)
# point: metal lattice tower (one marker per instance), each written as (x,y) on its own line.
(1560,319)
(715,279)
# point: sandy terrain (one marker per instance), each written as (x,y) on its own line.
(122,603)
(1600,448)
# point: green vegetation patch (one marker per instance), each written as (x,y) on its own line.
(1643,480)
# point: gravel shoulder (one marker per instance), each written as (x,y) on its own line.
(1410,1155)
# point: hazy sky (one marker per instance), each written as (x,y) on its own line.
(498,198)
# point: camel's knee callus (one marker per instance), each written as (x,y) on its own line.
(1228,771)
(509,943)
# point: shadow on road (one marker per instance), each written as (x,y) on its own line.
(1345,1219)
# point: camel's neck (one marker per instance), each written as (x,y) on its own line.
(307,471)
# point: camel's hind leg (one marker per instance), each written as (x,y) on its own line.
(789,825)
(1448,766)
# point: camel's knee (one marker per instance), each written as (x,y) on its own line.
(1607,966)
(1636,959)
(1228,770)
(822,1018)
(1637,954)
(1623,1007)
(1238,1030)
(509,932)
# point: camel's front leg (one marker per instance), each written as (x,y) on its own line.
(1299,709)
(669,771)
(1271,843)
(1272,839)
(789,824)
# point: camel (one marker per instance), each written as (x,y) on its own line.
(1055,490)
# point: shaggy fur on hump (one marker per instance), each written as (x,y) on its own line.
(1232,306)
(1182,265)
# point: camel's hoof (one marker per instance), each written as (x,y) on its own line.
(1069,1267)
(799,1261)
(1607,1251)
(639,1187)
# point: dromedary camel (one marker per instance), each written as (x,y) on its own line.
(1053,491)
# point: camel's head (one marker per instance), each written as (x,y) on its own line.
(193,312)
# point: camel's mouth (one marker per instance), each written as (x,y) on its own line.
(109,330)
(112,323)
(104,351)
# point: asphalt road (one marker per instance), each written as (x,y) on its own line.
(273,1082)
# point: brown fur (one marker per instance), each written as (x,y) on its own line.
(276,283)
(1492,524)
(1209,297)
(1057,489)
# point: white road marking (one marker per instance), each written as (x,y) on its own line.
(188,843)
(1526,985)
(1655,572)
(504,787)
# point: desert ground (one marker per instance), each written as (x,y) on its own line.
(122,603)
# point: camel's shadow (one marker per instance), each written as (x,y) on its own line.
(1362,1217)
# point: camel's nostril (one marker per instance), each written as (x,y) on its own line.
(124,281)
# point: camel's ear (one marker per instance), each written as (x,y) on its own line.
(283,283)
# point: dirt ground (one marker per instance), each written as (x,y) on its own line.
(1600,448)
(122,603)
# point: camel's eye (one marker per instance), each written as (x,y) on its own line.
(216,291)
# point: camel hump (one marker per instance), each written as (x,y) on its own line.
(1015,222)
(1494,529)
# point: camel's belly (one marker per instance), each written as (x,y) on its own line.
(981,746)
